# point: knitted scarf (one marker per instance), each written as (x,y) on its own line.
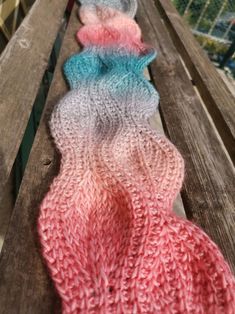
(108,233)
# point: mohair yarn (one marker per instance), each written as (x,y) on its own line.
(108,233)
(129,7)
(106,27)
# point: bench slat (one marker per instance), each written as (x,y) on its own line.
(22,65)
(208,191)
(219,100)
(25,286)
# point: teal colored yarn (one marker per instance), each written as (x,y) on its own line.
(116,74)
(95,62)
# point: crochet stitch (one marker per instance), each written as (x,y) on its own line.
(108,233)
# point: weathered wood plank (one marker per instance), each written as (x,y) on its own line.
(208,192)
(25,286)
(217,97)
(22,65)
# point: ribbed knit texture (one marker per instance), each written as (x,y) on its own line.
(108,233)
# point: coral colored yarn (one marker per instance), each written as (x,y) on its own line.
(106,36)
(108,234)
(94,14)
(112,28)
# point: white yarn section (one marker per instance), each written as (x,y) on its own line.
(129,7)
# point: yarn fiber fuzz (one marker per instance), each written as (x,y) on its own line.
(128,7)
(108,233)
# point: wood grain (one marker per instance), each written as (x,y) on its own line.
(217,97)
(208,192)
(22,65)
(25,286)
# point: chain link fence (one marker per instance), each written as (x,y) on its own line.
(213,24)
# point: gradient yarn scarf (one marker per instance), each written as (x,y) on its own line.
(107,230)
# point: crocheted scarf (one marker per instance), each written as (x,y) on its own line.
(108,233)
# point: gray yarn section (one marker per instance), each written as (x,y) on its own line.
(129,7)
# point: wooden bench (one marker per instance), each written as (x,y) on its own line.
(197,112)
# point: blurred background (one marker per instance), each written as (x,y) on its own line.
(12,12)
(213,24)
